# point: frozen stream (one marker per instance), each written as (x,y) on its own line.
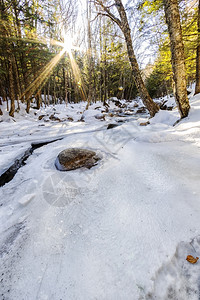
(101,233)
(121,230)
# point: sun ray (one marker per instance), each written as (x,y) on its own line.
(39,82)
(33,87)
(77,75)
(34,39)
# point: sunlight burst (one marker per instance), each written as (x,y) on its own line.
(67,45)
(40,81)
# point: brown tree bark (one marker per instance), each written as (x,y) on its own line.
(23,83)
(177,55)
(5,30)
(148,102)
(45,97)
(2,91)
(124,25)
(12,93)
(1,113)
(54,92)
(104,65)
(197,86)
(38,100)
(70,86)
(65,84)
(48,94)
(89,56)
(15,69)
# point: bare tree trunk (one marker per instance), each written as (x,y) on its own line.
(123,24)
(2,90)
(177,53)
(24,78)
(54,92)
(100,73)
(1,113)
(45,97)
(25,97)
(18,105)
(89,55)
(105,87)
(70,87)
(28,105)
(48,96)
(197,87)
(65,84)
(12,93)
(37,98)
(15,69)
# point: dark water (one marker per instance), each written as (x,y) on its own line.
(8,175)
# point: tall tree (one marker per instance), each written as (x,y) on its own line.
(11,83)
(89,58)
(177,54)
(124,26)
(197,87)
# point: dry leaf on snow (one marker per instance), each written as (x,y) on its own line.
(191,259)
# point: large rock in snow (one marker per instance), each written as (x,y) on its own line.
(74,158)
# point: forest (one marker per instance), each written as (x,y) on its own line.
(99,149)
(61,51)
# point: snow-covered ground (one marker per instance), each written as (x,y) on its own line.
(121,230)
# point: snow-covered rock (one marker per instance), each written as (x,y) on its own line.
(74,158)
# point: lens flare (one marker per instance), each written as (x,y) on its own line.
(40,81)
(44,74)
(67,45)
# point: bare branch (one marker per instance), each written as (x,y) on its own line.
(108,12)
(99,14)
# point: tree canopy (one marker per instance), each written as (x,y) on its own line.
(44,48)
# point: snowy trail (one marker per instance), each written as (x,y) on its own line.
(101,233)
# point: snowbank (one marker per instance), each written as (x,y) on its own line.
(121,230)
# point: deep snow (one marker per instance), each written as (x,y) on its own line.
(121,230)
